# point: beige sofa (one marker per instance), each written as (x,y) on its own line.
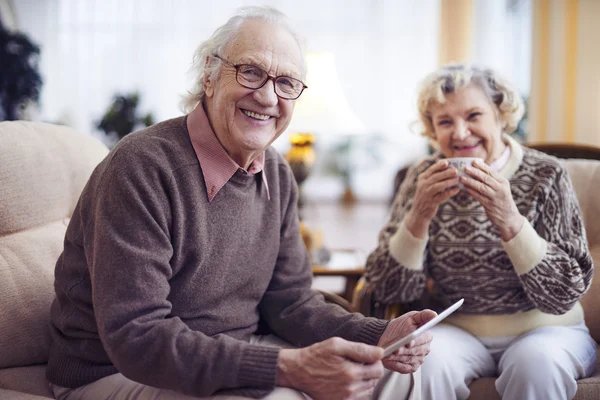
(43,169)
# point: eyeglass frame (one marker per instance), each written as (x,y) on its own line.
(269,77)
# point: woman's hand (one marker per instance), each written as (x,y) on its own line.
(493,192)
(434,186)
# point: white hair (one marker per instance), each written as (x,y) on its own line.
(219,40)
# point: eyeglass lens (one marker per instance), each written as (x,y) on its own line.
(254,77)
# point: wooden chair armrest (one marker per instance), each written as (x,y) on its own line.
(336,299)
(363,301)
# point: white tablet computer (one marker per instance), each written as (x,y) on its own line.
(389,349)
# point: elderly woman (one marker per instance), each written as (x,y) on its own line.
(507,235)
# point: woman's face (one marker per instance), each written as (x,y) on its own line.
(466,125)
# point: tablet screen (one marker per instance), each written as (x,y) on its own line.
(389,349)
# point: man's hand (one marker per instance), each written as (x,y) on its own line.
(332,369)
(409,358)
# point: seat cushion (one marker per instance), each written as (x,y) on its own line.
(589,388)
(43,169)
(31,380)
(483,389)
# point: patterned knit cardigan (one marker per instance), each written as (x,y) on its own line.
(535,279)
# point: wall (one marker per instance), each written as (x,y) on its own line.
(565,97)
(587,114)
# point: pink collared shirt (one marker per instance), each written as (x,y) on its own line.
(217,166)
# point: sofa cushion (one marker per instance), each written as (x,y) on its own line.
(27,262)
(43,169)
(585,175)
(12,395)
(29,380)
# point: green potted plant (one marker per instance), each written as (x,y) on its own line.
(122,117)
(20,80)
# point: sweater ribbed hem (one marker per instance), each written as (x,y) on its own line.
(407,249)
(258,369)
(514,324)
(371,332)
(71,372)
(526,249)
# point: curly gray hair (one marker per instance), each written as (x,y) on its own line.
(449,78)
(219,40)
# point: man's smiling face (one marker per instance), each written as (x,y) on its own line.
(246,121)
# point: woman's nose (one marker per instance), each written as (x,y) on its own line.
(461,131)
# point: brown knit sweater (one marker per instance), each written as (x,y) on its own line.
(510,287)
(159,284)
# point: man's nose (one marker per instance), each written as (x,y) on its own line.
(266,95)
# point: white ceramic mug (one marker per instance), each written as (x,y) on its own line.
(461,162)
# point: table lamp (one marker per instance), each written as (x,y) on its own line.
(322,110)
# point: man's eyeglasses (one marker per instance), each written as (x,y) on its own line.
(252,77)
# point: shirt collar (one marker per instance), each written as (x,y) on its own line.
(217,166)
(502,160)
(515,157)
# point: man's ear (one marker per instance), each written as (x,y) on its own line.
(209,84)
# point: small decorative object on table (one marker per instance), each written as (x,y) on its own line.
(301,158)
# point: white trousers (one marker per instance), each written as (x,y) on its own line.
(541,364)
(393,386)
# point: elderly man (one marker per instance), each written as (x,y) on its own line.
(186,236)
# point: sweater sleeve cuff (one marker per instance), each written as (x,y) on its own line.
(407,249)
(258,367)
(371,332)
(526,249)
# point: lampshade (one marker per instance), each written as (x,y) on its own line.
(323,108)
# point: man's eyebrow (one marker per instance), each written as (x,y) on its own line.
(252,61)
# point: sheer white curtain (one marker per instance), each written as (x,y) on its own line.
(92,49)
(503,32)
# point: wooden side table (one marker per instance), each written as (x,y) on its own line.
(353,230)
(347,263)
